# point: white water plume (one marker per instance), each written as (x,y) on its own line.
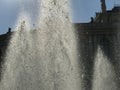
(44,59)
(18,48)
(104,74)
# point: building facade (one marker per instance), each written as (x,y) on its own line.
(102,32)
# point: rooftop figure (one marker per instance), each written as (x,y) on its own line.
(103,6)
(9,30)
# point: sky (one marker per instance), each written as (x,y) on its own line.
(82,10)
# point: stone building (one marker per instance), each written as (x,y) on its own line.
(102,32)
(4,40)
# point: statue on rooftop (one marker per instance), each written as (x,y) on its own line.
(103,6)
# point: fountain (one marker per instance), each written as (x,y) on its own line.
(46,58)
(104,75)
